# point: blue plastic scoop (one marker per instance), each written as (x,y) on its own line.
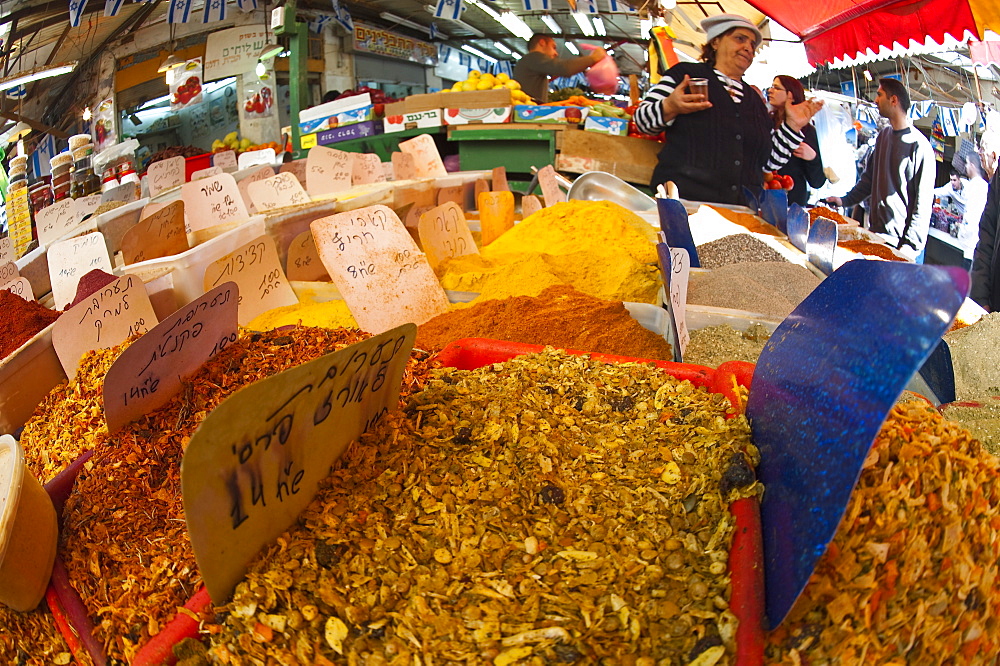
(821,244)
(774,209)
(676,227)
(822,388)
(798,226)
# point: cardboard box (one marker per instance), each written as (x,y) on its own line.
(415,104)
(355,109)
(530,113)
(475,99)
(463,116)
(347,132)
(629,158)
(406,120)
(606,125)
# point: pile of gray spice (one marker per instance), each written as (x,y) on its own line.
(713,345)
(768,288)
(736,249)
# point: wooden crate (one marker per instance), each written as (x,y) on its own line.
(627,157)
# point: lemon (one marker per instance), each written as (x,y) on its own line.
(502,77)
(498,86)
(457,87)
(512,84)
(468,85)
(484,85)
(475,74)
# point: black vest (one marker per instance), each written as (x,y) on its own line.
(712,154)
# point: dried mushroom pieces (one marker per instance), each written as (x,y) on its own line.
(521,510)
(123,537)
(912,573)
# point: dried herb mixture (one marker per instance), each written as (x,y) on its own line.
(550,509)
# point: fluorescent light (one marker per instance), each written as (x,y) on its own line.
(571,47)
(551,24)
(668,4)
(392,18)
(514,24)
(478,53)
(502,48)
(475,31)
(21,79)
(583,21)
(868,75)
(645,25)
(599,26)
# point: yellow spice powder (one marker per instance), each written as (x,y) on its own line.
(328,314)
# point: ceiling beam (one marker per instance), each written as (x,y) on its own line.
(34,124)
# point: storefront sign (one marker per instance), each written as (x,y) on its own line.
(233,51)
(368,39)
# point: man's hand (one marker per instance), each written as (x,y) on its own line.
(598,55)
(836,201)
(681,102)
(805,151)
(798,115)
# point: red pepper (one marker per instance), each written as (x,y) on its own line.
(62,623)
(160,648)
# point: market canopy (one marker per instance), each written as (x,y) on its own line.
(845,28)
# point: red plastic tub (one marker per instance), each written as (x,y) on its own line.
(196,163)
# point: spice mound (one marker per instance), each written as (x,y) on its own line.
(769,288)
(975,357)
(713,345)
(32,639)
(560,316)
(327,314)
(21,321)
(123,537)
(871,249)
(736,249)
(550,509)
(912,573)
(828,213)
(981,417)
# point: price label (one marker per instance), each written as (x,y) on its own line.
(427,161)
(150,372)
(367,169)
(205,173)
(414,214)
(388,172)
(496,214)
(371,257)
(225,160)
(253,158)
(55,221)
(530,204)
(500,183)
(213,201)
(8,272)
(303,260)
(104,319)
(164,175)
(126,193)
(20,287)
(481,185)
(551,191)
(676,267)
(278,191)
(445,234)
(455,194)
(256,270)
(262,173)
(85,206)
(297,168)
(328,171)
(19,220)
(161,234)
(403,167)
(257,459)
(6,249)
(70,260)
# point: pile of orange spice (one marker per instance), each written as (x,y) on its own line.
(871,249)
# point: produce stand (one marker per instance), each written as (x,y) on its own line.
(630,158)
(383,145)
(514,145)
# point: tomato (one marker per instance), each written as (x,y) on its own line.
(787,182)
(768,176)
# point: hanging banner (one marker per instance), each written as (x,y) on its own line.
(233,51)
(937,140)
(185,90)
(105,132)
(369,39)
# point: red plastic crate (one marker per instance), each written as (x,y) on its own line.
(196,163)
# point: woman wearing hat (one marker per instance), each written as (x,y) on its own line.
(716,146)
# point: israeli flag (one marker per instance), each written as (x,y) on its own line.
(215,10)
(112,7)
(449,9)
(246,6)
(343,16)
(320,22)
(621,6)
(179,11)
(444,51)
(76,8)
(587,6)
(433,30)
(536,5)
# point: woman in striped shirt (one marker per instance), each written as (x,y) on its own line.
(715,147)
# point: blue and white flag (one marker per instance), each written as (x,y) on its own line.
(444,51)
(503,67)
(343,16)
(449,9)
(112,7)
(76,8)
(587,6)
(246,6)
(621,6)
(179,11)
(215,10)
(433,30)
(536,5)
(320,22)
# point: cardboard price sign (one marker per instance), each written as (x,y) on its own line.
(414,214)
(500,183)
(530,204)
(7,249)
(551,191)
(454,193)
(675,265)
(20,287)
(445,234)
(55,221)
(427,161)
(280,191)
(303,260)
(257,459)
(367,169)
(496,214)
(263,173)
(85,206)
(328,171)
(70,260)
(371,257)
(298,168)
(213,201)
(164,175)
(150,372)
(256,270)
(225,160)
(8,272)
(205,173)
(161,234)
(403,166)
(102,320)
(126,193)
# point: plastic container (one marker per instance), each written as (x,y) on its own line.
(196,163)
(28,531)
(63,158)
(79,141)
(26,377)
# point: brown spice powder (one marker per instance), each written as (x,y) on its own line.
(560,316)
